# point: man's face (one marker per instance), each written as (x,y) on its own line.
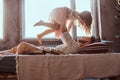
(84,39)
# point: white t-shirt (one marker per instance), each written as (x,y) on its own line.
(69,45)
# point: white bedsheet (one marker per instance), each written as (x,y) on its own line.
(67,67)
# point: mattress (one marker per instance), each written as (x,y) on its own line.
(8,64)
(64,67)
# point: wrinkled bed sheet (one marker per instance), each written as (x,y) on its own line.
(67,67)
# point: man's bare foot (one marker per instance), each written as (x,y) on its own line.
(39,23)
(5,52)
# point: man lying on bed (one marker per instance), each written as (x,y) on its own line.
(69,45)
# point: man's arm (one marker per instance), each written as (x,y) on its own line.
(70,24)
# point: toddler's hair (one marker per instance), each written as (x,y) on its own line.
(87,19)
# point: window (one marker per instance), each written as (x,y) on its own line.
(36,10)
(82,5)
(33,11)
(1,19)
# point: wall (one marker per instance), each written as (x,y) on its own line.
(109,30)
(11,22)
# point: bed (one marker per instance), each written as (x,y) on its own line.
(68,67)
(8,68)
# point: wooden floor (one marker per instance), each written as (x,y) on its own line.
(16,79)
(9,79)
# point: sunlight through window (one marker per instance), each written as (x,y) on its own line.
(1,19)
(36,10)
(82,5)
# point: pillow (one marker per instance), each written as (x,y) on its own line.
(96,47)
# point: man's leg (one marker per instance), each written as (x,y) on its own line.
(9,51)
(25,47)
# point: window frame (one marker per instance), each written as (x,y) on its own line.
(11,27)
(2,20)
(52,41)
(17,7)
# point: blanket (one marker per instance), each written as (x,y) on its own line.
(67,67)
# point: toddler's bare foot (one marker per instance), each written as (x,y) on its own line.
(40,42)
(39,38)
(39,23)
